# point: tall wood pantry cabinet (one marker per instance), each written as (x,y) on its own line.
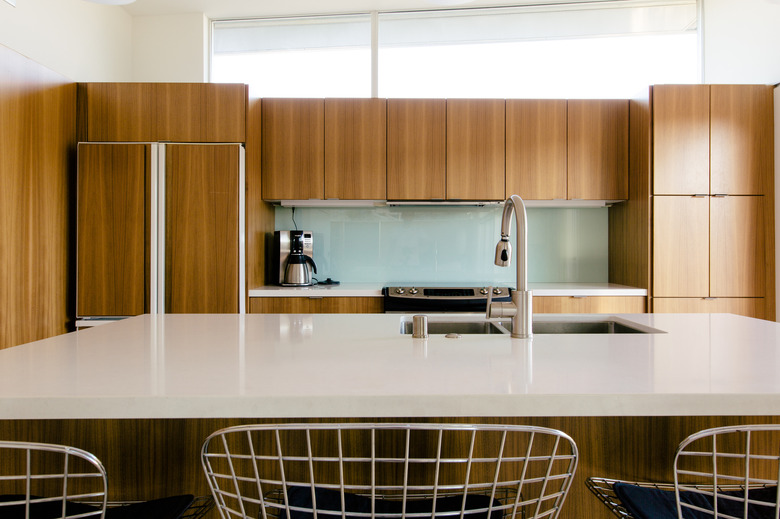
(712,187)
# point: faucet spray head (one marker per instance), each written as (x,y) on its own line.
(503,252)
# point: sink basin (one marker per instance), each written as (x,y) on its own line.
(606,325)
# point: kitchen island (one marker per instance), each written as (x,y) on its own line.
(153,387)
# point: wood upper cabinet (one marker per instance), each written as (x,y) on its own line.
(355,149)
(416,149)
(536,148)
(183,112)
(737,246)
(681,251)
(201,228)
(113,229)
(681,139)
(742,139)
(597,149)
(475,149)
(293,149)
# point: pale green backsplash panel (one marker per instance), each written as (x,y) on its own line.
(449,244)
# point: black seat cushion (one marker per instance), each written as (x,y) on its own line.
(165,508)
(330,500)
(654,503)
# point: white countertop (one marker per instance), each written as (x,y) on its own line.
(374,290)
(342,365)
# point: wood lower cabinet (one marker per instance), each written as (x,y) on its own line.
(475,149)
(355,149)
(416,149)
(201,228)
(113,229)
(590,305)
(747,306)
(597,160)
(316,305)
(536,148)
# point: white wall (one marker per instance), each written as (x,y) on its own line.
(741,41)
(80,40)
(170,48)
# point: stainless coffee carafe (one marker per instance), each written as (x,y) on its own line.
(294,250)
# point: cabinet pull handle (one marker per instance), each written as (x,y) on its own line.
(719,195)
(709,298)
(697,195)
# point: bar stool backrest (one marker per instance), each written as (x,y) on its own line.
(388,471)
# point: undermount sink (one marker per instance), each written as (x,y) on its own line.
(608,325)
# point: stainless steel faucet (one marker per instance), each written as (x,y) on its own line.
(520,309)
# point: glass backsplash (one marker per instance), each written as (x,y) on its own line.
(449,244)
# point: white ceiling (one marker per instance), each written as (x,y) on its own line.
(242,8)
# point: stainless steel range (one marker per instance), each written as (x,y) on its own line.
(411,298)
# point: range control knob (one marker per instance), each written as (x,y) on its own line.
(483,291)
(413,291)
(399,291)
(497,291)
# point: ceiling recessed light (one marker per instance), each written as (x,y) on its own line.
(112,2)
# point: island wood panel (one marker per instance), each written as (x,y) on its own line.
(590,305)
(629,221)
(681,139)
(316,305)
(742,139)
(536,148)
(737,247)
(201,228)
(681,249)
(148,459)
(183,112)
(37,188)
(356,149)
(597,160)
(416,149)
(293,149)
(475,149)
(747,306)
(113,229)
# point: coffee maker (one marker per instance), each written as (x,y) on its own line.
(293,251)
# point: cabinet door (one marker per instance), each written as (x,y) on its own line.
(201,231)
(416,149)
(742,139)
(293,149)
(681,246)
(737,247)
(597,149)
(118,111)
(747,306)
(589,305)
(113,219)
(536,149)
(355,149)
(321,305)
(200,112)
(681,139)
(475,149)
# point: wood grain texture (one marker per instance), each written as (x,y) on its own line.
(742,139)
(113,229)
(681,139)
(590,305)
(536,148)
(293,149)
(182,112)
(201,242)
(416,149)
(629,221)
(598,149)
(475,149)
(737,252)
(310,305)
(37,189)
(152,458)
(681,249)
(356,149)
(747,306)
